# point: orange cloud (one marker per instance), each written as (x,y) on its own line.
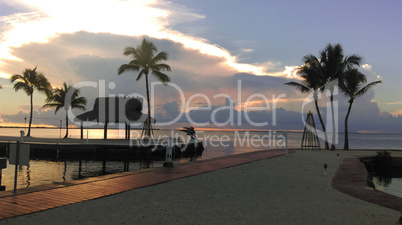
(48,19)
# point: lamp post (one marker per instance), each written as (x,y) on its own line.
(25,126)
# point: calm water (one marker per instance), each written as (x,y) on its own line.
(391,186)
(216,143)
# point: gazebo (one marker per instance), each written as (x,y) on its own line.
(115,110)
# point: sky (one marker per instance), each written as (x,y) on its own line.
(227,57)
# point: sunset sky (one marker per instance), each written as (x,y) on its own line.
(213,47)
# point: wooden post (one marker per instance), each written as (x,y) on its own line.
(105,131)
(128,131)
(17,159)
(125,130)
(82,130)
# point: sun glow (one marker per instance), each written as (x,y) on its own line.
(23,125)
(50,18)
(47,19)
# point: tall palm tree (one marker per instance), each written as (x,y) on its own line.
(312,82)
(66,97)
(352,87)
(146,60)
(332,65)
(30,81)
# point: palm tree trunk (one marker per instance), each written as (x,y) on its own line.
(333,121)
(148,131)
(30,117)
(346,145)
(66,136)
(322,124)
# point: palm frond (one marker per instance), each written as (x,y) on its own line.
(50,105)
(65,97)
(130,51)
(23,86)
(161,56)
(300,87)
(351,81)
(363,90)
(127,67)
(145,61)
(148,46)
(18,77)
(352,61)
(162,66)
(161,77)
(142,72)
(308,59)
(79,103)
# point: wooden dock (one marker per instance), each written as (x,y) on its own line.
(98,148)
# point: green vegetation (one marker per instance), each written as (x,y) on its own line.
(30,81)
(383,154)
(66,97)
(146,59)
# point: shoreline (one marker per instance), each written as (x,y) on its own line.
(200,129)
(6,139)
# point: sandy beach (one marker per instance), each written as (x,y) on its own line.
(289,189)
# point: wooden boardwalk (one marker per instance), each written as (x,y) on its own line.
(36,199)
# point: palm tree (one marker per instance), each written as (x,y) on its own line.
(30,81)
(312,82)
(146,60)
(352,87)
(332,65)
(66,97)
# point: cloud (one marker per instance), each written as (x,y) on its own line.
(367,66)
(27,108)
(394,103)
(370,73)
(84,48)
(247,50)
(49,19)
(225,113)
(397,113)
(84,56)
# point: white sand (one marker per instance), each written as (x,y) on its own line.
(289,189)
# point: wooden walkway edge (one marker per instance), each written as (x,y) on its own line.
(60,194)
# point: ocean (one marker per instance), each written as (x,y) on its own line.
(216,143)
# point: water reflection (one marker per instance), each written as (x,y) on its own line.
(382,181)
(79,169)
(126,166)
(41,172)
(28,176)
(387,177)
(65,170)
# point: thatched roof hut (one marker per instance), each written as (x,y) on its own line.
(115,110)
